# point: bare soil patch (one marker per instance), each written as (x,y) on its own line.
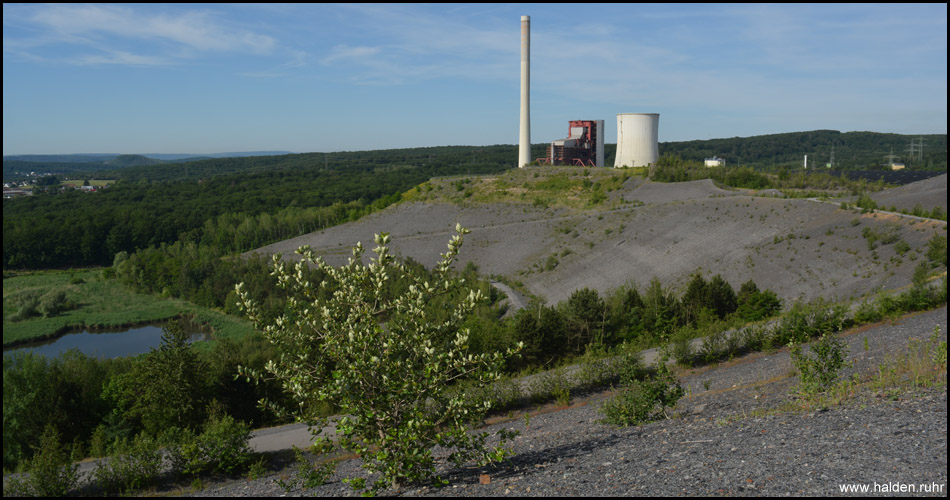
(929,193)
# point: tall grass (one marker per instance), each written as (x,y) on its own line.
(544,187)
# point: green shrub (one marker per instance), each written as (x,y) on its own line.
(598,372)
(681,346)
(53,303)
(98,444)
(901,247)
(390,362)
(503,394)
(868,312)
(27,303)
(597,197)
(756,305)
(222,448)
(716,346)
(806,320)
(865,203)
(551,385)
(820,372)
(753,338)
(133,468)
(643,401)
(51,472)
(307,475)
(937,250)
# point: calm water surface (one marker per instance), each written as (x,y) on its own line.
(108,344)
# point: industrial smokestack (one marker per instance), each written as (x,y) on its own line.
(524,142)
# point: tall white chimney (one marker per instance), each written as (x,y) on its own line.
(524,142)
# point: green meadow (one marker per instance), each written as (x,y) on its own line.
(44,304)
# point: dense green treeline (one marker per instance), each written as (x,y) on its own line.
(99,405)
(18,168)
(136,168)
(102,403)
(80,229)
(852,150)
(672,168)
(345,162)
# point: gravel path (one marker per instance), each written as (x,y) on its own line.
(723,439)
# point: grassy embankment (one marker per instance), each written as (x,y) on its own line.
(92,182)
(96,302)
(546,187)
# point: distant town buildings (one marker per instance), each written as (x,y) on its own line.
(11,192)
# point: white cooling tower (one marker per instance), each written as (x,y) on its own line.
(637,135)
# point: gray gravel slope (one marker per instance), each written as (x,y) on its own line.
(798,248)
(714,445)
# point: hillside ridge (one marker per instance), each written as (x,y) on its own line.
(796,247)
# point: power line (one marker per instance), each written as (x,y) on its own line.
(890,158)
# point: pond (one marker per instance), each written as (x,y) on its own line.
(111,343)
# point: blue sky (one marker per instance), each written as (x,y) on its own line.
(194,78)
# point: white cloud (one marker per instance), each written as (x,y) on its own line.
(194,29)
(138,35)
(345,52)
(121,58)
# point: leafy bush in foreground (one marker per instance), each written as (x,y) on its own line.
(388,362)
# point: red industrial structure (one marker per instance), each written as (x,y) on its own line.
(584,145)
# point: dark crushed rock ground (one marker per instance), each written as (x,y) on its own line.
(720,442)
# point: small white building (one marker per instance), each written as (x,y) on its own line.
(897,166)
(715,162)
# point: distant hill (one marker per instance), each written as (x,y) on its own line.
(852,150)
(76,158)
(240,154)
(131,161)
(18,167)
(106,157)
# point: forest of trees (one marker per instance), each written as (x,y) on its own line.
(236,204)
(236,212)
(110,401)
(852,151)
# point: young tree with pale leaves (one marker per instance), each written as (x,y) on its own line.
(399,377)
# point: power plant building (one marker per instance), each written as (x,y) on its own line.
(637,133)
(637,139)
(584,145)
